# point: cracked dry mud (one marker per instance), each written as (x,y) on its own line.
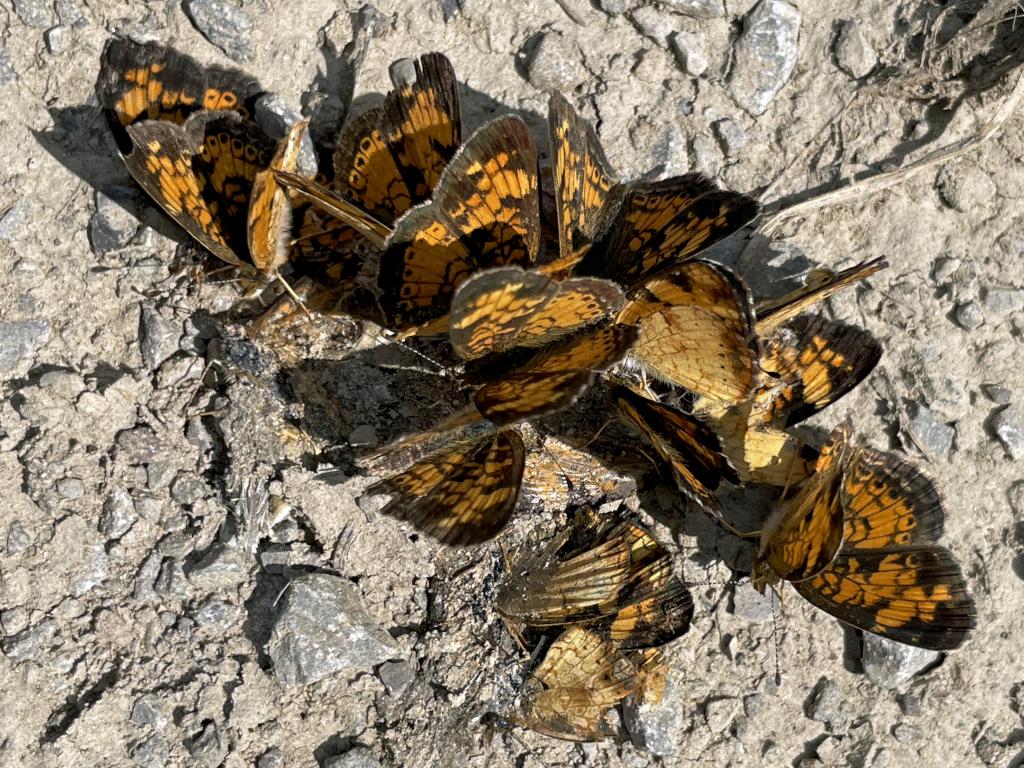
(141,569)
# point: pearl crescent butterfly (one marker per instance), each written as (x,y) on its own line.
(185,136)
(571,693)
(697,331)
(878,566)
(148,81)
(387,160)
(532,343)
(685,443)
(613,577)
(629,232)
(462,493)
(809,363)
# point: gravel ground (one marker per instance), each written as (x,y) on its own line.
(160,469)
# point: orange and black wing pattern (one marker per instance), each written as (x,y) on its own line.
(149,81)
(616,579)
(912,594)
(585,185)
(696,331)
(804,534)
(888,503)
(663,223)
(270,211)
(524,382)
(507,307)
(390,158)
(571,692)
(485,212)
(810,362)
(464,493)
(772,313)
(202,173)
(562,584)
(690,447)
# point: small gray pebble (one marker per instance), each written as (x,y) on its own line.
(691,52)
(224,24)
(853,53)
(730,135)
(147,711)
(15,217)
(1009,428)
(70,488)
(358,757)
(272,758)
(554,63)
(20,340)
(8,76)
(396,676)
(151,753)
(35,13)
(18,539)
(969,315)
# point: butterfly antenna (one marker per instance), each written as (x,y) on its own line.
(597,434)
(775,636)
(295,297)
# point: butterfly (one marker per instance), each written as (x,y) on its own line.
(186,139)
(464,492)
(386,161)
(613,577)
(148,81)
(582,677)
(629,231)
(771,313)
(697,331)
(685,443)
(859,542)
(484,212)
(531,343)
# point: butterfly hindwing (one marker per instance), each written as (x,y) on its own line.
(465,492)
(507,306)
(805,533)
(484,212)
(149,81)
(661,224)
(584,181)
(812,362)
(201,173)
(690,447)
(914,595)
(697,331)
(888,503)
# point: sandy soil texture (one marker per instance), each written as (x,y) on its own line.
(161,474)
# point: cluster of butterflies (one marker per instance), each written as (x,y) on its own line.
(426,233)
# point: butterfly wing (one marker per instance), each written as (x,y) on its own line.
(691,448)
(507,306)
(772,313)
(697,332)
(463,493)
(484,212)
(661,224)
(201,173)
(888,503)
(812,362)
(152,82)
(914,595)
(584,182)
